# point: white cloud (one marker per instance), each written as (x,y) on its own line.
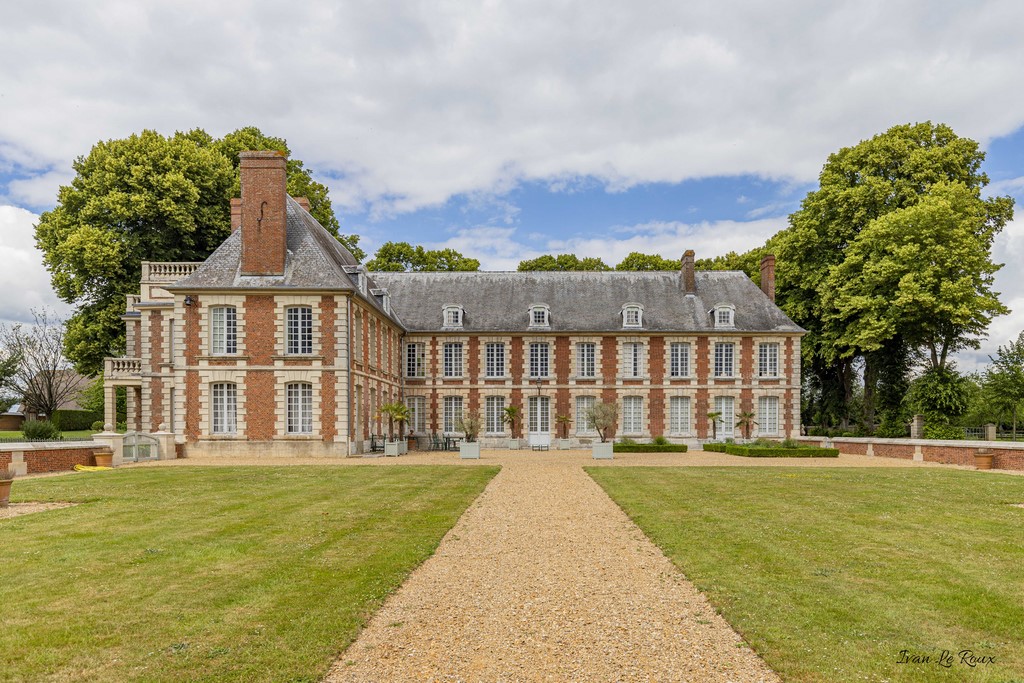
(23,279)
(408,104)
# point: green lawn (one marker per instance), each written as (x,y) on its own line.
(221,574)
(830,573)
(85,434)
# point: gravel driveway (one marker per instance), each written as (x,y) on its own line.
(544,578)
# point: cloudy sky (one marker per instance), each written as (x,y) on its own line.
(511,129)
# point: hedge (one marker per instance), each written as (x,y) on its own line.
(74,420)
(715,447)
(648,448)
(768,452)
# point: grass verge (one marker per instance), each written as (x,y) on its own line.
(226,574)
(831,574)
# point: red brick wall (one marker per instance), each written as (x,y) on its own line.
(53,460)
(885,450)
(264,215)
(192,332)
(260,406)
(260,329)
(156,397)
(192,408)
(328,399)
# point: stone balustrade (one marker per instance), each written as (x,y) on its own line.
(114,368)
(166,272)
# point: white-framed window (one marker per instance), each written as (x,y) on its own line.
(417,413)
(586,359)
(632,315)
(679,359)
(357,337)
(768,415)
(452,413)
(415,359)
(300,407)
(632,414)
(540,316)
(724,405)
(633,359)
(583,424)
(374,329)
(494,415)
(223,331)
(453,316)
(539,359)
(768,360)
(725,353)
(494,359)
(724,315)
(679,415)
(224,408)
(299,330)
(452,358)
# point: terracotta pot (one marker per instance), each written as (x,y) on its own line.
(5,492)
(104,458)
(983,459)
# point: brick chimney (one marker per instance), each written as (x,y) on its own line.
(768,276)
(236,213)
(688,276)
(264,213)
(303,202)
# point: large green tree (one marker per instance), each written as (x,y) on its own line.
(640,261)
(563,262)
(402,256)
(1004,379)
(145,197)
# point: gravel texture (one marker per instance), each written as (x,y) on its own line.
(18,509)
(544,578)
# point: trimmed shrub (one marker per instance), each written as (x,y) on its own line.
(715,447)
(780,452)
(75,420)
(97,426)
(648,448)
(944,432)
(37,430)
(660,441)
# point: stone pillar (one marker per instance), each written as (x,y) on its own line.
(990,432)
(166,439)
(109,437)
(917,427)
(109,407)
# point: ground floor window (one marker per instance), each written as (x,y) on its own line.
(679,415)
(539,409)
(583,423)
(300,408)
(724,406)
(768,415)
(225,408)
(632,414)
(417,414)
(452,413)
(494,414)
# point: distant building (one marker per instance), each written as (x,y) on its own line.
(281,342)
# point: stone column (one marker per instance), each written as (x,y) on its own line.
(109,407)
(917,427)
(990,432)
(166,439)
(109,437)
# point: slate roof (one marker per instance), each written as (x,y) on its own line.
(580,301)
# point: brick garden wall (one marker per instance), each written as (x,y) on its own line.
(41,458)
(1005,457)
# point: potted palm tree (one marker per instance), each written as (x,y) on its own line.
(563,422)
(391,447)
(511,418)
(470,426)
(6,480)
(400,414)
(745,421)
(604,417)
(714,417)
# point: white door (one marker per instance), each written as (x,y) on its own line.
(727,420)
(539,408)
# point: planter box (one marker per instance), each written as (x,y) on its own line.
(602,451)
(513,444)
(469,451)
(391,448)
(563,444)
(403,447)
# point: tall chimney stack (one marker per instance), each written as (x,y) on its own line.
(688,276)
(768,276)
(236,213)
(264,212)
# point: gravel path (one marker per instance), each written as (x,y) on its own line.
(544,578)
(18,509)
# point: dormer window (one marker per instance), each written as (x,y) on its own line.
(385,298)
(453,316)
(540,315)
(632,315)
(723,315)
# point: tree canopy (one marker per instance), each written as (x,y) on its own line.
(402,256)
(563,262)
(146,197)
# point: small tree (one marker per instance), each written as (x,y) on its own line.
(511,418)
(714,417)
(42,375)
(1004,379)
(564,421)
(470,426)
(396,412)
(604,416)
(745,421)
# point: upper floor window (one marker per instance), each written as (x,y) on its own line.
(495,359)
(724,359)
(724,315)
(679,359)
(223,331)
(452,365)
(414,360)
(586,364)
(539,359)
(632,359)
(300,330)
(632,315)
(768,360)
(357,337)
(453,316)
(540,315)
